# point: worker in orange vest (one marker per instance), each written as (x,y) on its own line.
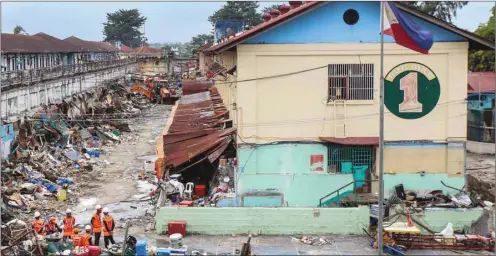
(76,238)
(96,223)
(51,226)
(108,228)
(38,223)
(87,236)
(69,222)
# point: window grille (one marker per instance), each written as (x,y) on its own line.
(357,155)
(351,82)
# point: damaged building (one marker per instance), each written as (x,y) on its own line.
(305,105)
(41,69)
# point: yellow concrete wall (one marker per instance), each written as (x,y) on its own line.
(226,85)
(295,107)
(202,65)
(150,67)
(227,59)
(434,159)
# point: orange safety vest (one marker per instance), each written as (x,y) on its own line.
(69,223)
(86,240)
(108,227)
(38,225)
(50,227)
(97,223)
(77,240)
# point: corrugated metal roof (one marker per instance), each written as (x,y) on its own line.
(126,49)
(12,43)
(44,43)
(196,129)
(352,140)
(481,82)
(196,86)
(89,46)
(61,45)
(148,50)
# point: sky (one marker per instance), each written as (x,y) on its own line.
(166,21)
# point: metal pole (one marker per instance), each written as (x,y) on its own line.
(494,107)
(381,141)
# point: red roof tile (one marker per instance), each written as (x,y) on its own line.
(481,82)
(263,26)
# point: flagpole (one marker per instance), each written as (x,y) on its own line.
(381,141)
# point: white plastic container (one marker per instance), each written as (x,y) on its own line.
(149,166)
(176,241)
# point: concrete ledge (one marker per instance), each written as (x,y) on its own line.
(480,147)
(265,221)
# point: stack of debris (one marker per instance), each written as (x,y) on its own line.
(55,151)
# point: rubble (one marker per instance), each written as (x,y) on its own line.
(480,175)
(56,151)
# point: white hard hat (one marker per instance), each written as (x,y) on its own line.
(88,227)
(105,210)
(37,214)
(68,211)
(98,207)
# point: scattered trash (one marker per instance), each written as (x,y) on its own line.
(315,241)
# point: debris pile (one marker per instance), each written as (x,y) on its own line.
(52,154)
(312,240)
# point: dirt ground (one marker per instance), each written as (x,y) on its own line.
(116,185)
(481,175)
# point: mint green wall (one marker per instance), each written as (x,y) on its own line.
(428,182)
(285,169)
(265,221)
(437,218)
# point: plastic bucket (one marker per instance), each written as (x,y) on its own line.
(62,195)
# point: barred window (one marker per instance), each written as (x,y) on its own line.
(351,82)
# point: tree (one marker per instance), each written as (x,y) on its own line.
(270,8)
(238,11)
(444,10)
(18,29)
(484,60)
(199,40)
(124,26)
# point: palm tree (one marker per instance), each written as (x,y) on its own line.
(18,29)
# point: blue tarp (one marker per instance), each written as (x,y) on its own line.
(224,27)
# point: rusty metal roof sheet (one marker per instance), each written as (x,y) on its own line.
(196,129)
(352,140)
(196,86)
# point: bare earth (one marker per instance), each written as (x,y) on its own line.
(481,175)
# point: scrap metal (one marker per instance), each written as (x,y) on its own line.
(197,125)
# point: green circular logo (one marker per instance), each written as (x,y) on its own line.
(411,90)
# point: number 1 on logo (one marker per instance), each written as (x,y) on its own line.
(409,86)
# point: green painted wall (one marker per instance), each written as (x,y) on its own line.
(285,169)
(265,221)
(438,218)
(428,182)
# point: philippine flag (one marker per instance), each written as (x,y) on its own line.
(404,30)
